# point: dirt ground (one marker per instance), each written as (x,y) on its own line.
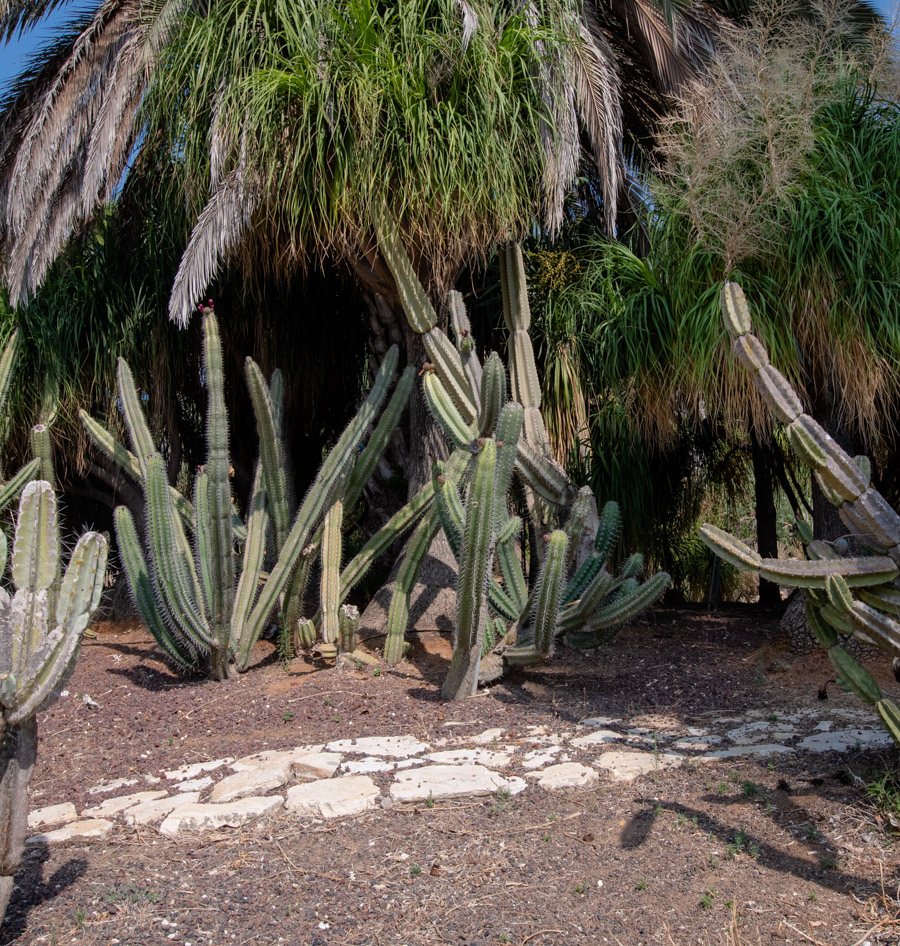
(733,852)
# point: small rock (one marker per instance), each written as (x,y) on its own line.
(760,751)
(601,722)
(750,732)
(597,738)
(333,798)
(53,814)
(698,743)
(151,811)
(256,781)
(197,817)
(112,806)
(497,760)
(116,783)
(488,736)
(448,781)
(192,769)
(194,784)
(394,747)
(538,758)
(566,775)
(305,761)
(88,828)
(625,766)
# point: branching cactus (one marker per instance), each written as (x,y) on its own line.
(39,643)
(856,596)
(205,603)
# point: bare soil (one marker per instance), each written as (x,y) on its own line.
(735,852)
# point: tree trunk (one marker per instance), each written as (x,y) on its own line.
(766,521)
(827,524)
(18,749)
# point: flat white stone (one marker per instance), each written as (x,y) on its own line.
(597,738)
(197,817)
(112,806)
(750,733)
(394,747)
(825,726)
(256,781)
(734,752)
(192,769)
(566,775)
(333,798)
(87,828)
(489,735)
(307,761)
(844,739)
(194,784)
(538,758)
(497,760)
(112,786)
(52,814)
(696,731)
(698,743)
(601,722)
(448,781)
(365,766)
(623,766)
(152,811)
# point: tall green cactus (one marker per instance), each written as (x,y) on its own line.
(39,644)
(204,608)
(871,610)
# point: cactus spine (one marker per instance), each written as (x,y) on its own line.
(851,596)
(39,645)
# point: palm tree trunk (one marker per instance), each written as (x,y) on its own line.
(18,749)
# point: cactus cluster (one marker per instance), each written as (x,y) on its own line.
(851,596)
(41,627)
(207,601)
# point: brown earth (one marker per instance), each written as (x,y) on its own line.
(734,852)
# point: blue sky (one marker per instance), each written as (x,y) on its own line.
(14,56)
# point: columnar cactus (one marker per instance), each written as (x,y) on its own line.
(204,608)
(871,610)
(39,643)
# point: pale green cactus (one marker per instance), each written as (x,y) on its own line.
(205,608)
(41,627)
(856,596)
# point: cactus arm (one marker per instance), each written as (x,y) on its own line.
(442,408)
(387,423)
(576,614)
(219,508)
(541,475)
(605,622)
(875,624)
(17,483)
(251,562)
(82,584)
(853,675)
(727,547)
(550,582)
(586,573)
(36,548)
(331,572)
(465,344)
(138,431)
(508,435)
(492,394)
(450,513)
(104,441)
(42,450)
(449,368)
(332,475)
(40,690)
(402,520)
(805,573)
(398,613)
(510,568)
(146,600)
(474,573)
(608,529)
(416,304)
(577,522)
(348,621)
(271,450)
(173,566)
(203,538)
